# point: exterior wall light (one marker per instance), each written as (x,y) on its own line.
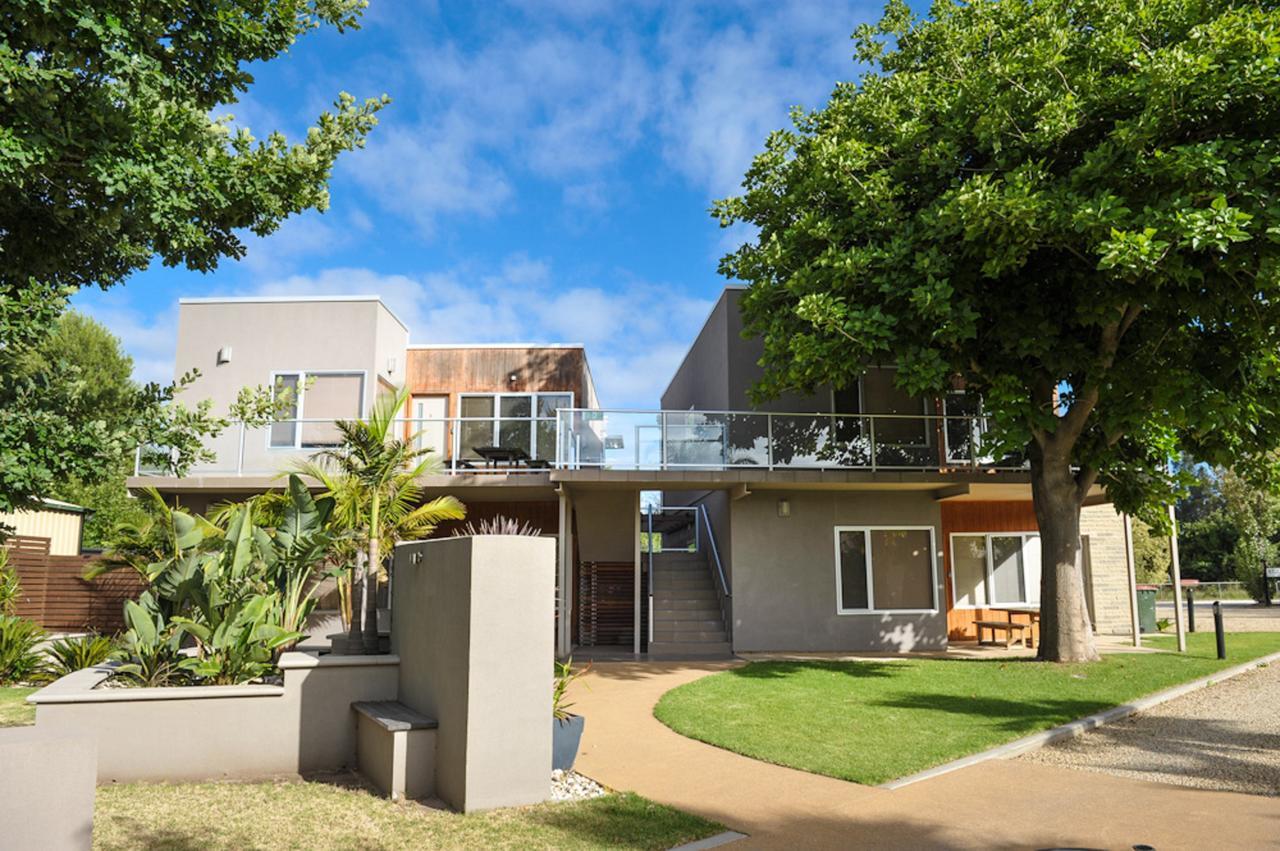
(784,508)
(224,355)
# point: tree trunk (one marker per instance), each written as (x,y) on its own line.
(353,620)
(1066,634)
(369,639)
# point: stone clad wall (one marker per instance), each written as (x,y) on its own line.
(1109,567)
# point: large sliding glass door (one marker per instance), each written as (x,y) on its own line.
(524,421)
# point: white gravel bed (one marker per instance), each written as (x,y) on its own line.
(1224,737)
(572,786)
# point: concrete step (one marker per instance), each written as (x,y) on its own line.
(690,650)
(690,636)
(675,558)
(677,583)
(687,620)
(680,568)
(683,595)
(686,609)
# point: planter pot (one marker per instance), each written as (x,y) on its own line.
(566,735)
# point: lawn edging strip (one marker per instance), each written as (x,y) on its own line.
(1071,729)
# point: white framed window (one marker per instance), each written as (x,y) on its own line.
(318,398)
(511,420)
(993,569)
(889,569)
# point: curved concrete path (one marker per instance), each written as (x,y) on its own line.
(1001,804)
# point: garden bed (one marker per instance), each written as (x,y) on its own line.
(875,721)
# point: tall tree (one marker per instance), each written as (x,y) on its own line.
(109,158)
(86,377)
(1074,208)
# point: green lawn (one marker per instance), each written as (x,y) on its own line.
(14,710)
(343,815)
(875,721)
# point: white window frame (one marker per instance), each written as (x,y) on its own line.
(497,414)
(990,569)
(300,411)
(871,591)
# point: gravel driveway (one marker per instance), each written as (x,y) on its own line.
(1223,737)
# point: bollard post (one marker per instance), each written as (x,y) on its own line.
(1191,609)
(1217,628)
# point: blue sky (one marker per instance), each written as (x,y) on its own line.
(543,174)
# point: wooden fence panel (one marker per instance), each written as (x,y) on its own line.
(606,604)
(56,595)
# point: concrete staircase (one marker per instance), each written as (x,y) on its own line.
(687,621)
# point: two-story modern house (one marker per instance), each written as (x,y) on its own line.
(857,520)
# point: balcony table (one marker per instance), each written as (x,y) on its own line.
(495,455)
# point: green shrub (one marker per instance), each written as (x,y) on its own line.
(68,655)
(149,647)
(9,588)
(19,658)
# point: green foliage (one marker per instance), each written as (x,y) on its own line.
(19,658)
(373,479)
(1034,196)
(68,655)
(10,590)
(240,594)
(1150,554)
(565,675)
(110,156)
(1255,515)
(149,646)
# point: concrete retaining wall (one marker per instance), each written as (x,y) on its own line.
(215,732)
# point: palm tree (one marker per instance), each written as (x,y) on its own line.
(373,479)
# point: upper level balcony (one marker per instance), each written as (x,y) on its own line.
(628,440)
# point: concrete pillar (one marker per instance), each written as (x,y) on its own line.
(474,630)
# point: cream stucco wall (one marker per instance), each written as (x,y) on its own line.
(473,625)
(267,336)
(216,732)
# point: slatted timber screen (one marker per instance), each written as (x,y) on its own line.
(606,604)
(56,595)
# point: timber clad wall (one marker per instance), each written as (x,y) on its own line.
(449,372)
(56,595)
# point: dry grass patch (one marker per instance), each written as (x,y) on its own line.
(14,709)
(340,813)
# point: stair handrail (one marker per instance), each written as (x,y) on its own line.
(715,552)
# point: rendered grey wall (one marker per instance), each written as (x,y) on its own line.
(784,573)
(702,379)
(473,626)
(47,783)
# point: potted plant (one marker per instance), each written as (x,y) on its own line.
(566,728)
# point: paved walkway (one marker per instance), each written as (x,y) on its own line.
(998,804)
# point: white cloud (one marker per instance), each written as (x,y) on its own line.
(565,92)
(148,338)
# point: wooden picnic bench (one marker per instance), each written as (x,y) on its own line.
(1012,631)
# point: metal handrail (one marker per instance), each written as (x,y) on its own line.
(715,552)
